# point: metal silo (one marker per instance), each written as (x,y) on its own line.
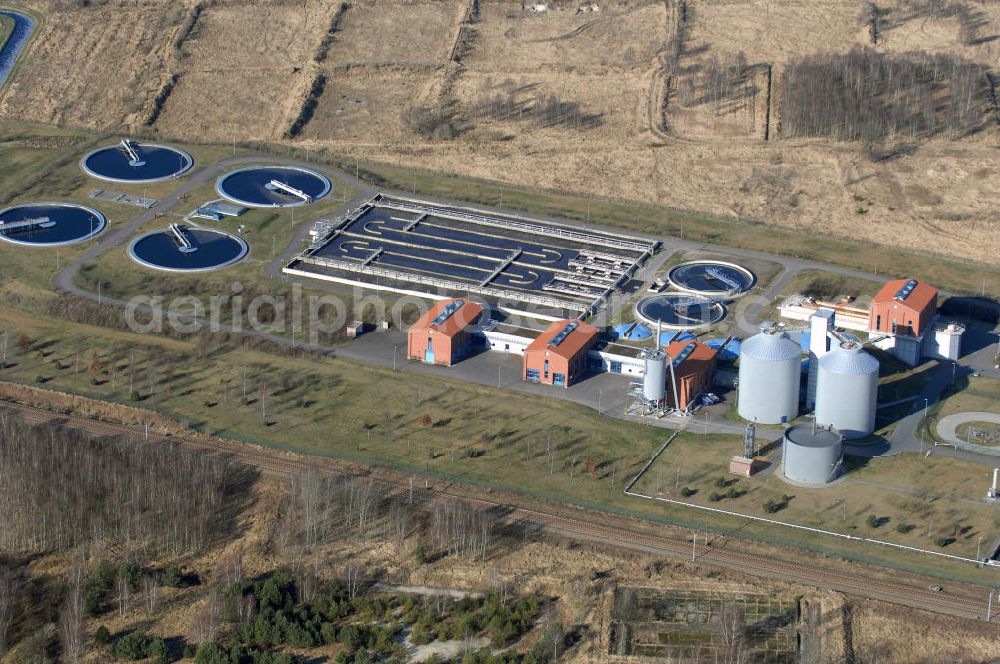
(847,390)
(811,454)
(654,383)
(770,371)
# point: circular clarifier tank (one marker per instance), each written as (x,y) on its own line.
(182,248)
(712,278)
(680,311)
(49,224)
(631,331)
(273,186)
(131,162)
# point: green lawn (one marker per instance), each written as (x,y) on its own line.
(916,500)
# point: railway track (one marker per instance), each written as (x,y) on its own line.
(717,552)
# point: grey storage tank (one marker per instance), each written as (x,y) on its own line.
(847,390)
(654,385)
(770,372)
(811,454)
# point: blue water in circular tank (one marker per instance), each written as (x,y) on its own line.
(252,186)
(49,224)
(667,337)
(631,331)
(730,353)
(207,249)
(157,162)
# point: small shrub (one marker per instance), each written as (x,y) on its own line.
(102,636)
(687,492)
(156,650)
(905,528)
(772,506)
(211,653)
(722,482)
(874,521)
(733,492)
(943,541)
(172,577)
(131,647)
(188,652)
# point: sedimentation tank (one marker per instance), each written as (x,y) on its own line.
(847,390)
(770,372)
(811,454)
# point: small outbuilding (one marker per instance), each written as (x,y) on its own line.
(444,335)
(559,355)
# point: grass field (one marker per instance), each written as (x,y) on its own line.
(913,501)
(432,426)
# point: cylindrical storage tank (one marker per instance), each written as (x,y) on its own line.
(847,390)
(811,454)
(770,372)
(654,383)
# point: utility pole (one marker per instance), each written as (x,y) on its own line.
(394,357)
(923,424)
(694,545)
(989,606)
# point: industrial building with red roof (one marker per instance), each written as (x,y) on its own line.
(559,355)
(693,368)
(443,335)
(903,306)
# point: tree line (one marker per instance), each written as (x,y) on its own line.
(867,95)
(62,488)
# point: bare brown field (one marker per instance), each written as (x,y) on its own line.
(417,33)
(98,67)
(622,36)
(245,67)
(363,104)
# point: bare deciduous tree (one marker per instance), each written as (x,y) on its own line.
(733,631)
(205,624)
(71,616)
(150,592)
